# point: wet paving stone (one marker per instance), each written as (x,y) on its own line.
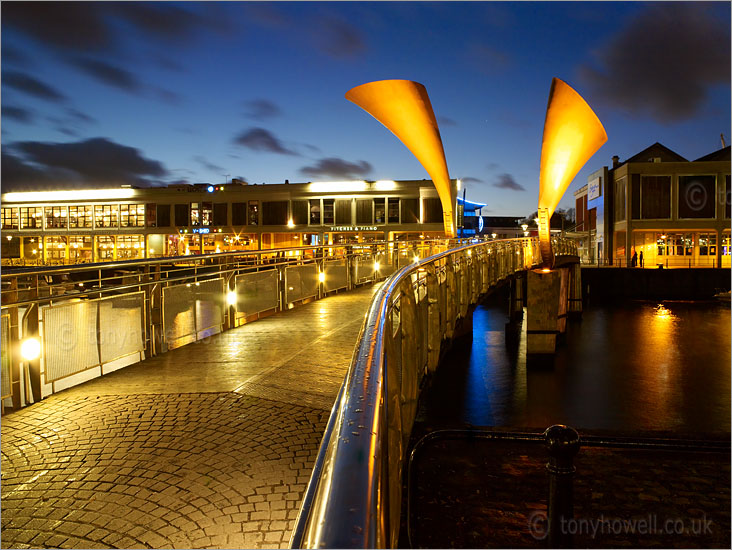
(208,446)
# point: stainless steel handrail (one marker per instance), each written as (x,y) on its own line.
(347,502)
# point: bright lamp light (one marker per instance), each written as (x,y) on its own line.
(30,349)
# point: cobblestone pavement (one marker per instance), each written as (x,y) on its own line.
(208,446)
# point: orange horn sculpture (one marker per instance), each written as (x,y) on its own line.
(572,134)
(404,108)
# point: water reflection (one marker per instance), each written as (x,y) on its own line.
(631,366)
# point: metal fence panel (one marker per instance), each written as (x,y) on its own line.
(70,338)
(363,268)
(5,355)
(257,292)
(336,275)
(179,321)
(120,326)
(301,282)
(209,296)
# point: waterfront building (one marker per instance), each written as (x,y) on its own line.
(83,225)
(675,211)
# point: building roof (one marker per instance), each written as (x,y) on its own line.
(469,205)
(721,154)
(657,150)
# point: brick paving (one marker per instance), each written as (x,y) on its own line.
(208,446)
(493,494)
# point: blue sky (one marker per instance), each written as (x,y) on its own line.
(98,94)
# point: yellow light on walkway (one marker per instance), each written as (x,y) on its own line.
(377,266)
(321,276)
(231,297)
(572,134)
(404,107)
(30,349)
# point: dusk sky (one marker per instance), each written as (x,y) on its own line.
(97,94)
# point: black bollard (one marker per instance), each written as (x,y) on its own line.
(563,444)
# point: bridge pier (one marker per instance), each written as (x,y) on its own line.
(553,296)
(516,304)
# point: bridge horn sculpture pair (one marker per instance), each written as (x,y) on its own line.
(572,134)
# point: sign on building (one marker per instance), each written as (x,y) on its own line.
(594,189)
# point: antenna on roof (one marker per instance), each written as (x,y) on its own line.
(721,136)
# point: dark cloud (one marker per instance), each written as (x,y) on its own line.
(67,131)
(506,181)
(338,38)
(31,86)
(167,96)
(470,179)
(92,162)
(266,14)
(169,22)
(109,74)
(261,109)
(492,166)
(337,168)
(446,121)
(76,26)
(663,62)
(208,165)
(312,148)
(259,139)
(18,114)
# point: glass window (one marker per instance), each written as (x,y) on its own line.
(379,210)
(707,244)
(105,248)
(725,245)
(432,211)
(195,214)
(393,210)
(314,211)
(181,215)
(697,196)
(300,212)
(274,213)
(220,213)
(239,213)
(80,217)
(619,206)
(727,197)
(10,218)
(31,217)
(343,212)
(106,215)
(364,209)
(152,215)
(410,210)
(328,211)
(655,197)
(80,248)
(55,248)
(132,215)
(56,217)
(130,247)
(253,218)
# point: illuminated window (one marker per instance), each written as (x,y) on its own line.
(80,217)
(379,210)
(132,215)
(707,244)
(106,215)
(80,248)
(10,218)
(195,214)
(725,245)
(105,247)
(56,217)
(55,248)
(253,217)
(314,211)
(31,217)
(130,247)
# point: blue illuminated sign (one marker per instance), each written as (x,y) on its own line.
(210,188)
(201,230)
(480,224)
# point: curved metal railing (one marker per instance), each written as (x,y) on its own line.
(354,496)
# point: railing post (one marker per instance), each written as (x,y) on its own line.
(563,444)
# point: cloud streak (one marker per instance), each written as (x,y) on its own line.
(261,109)
(663,63)
(259,139)
(507,181)
(333,167)
(26,84)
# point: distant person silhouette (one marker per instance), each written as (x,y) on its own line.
(640,258)
(634,259)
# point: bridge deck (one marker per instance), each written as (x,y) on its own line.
(208,446)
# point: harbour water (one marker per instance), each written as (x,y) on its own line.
(627,367)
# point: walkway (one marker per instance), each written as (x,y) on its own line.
(208,446)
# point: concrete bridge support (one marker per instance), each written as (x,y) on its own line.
(553,296)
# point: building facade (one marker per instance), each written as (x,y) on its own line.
(81,226)
(674,211)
